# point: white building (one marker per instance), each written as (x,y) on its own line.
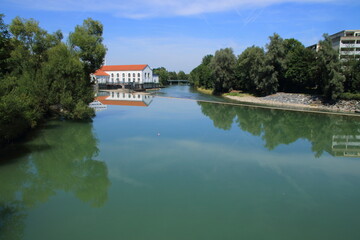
(125,74)
(346,42)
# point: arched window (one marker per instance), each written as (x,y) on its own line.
(133,74)
(112,75)
(123,74)
(117,74)
(129,75)
(138,74)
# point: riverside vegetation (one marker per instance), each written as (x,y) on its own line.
(285,66)
(40,74)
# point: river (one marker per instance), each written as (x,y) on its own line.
(183,169)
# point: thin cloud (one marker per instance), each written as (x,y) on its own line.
(151,8)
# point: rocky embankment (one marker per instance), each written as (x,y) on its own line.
(301,101)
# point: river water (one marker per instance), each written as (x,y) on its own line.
(183,169)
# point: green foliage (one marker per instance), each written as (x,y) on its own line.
(40,74)
(286,66)
(173,76)
(82,111)
(163,75)
(299,67)
(86,41)
(249,70)
(274,62)
(350,96)
(351,70)
(202,75)
(223,67)
(330,79)
(182,76)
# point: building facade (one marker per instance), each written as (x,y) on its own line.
(346,43)
(126,75)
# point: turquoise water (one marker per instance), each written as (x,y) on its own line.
(182,169)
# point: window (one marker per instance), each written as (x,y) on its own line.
(138,74)
(138,79)
(117,95)
(123,74)
(112,75)
(133,79)
(112,94)
(123,95)
(123,79)
(129,75)
(138,95)
(348,41)
(117,74)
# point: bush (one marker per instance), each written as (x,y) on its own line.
(350,96)
(82,112)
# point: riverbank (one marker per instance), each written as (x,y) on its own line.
(302,101)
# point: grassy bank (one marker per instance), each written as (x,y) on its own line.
(204,90)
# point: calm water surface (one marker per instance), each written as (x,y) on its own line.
(182,169)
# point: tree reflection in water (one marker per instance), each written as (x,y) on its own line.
(60,158)
(337,135)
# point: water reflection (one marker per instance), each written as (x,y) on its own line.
(62,158)
(123,98)
(337,135)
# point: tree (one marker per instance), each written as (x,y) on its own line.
(223,67)
(351,70)
(173,76)
(182,76)
(249,68)
(86,41)
(5,47)
(274,62)
(298,66)
(202,75)
(163,75)
(328,70)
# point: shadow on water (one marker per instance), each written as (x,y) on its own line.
(337,135)
(61,157)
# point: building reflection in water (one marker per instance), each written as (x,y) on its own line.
(121,98)
(346,145)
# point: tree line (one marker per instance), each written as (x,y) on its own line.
(165,75)
(41,74)
(284,65)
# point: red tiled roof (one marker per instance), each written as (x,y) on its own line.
(103,100)
(100,73)
(124,67)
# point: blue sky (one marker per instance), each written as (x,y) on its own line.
(176,34)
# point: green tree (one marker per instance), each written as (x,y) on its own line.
(163,75)
(328,70)
(274,65)
(5,47)
(202,75)
(249,69)
(351,70)
(223,67)
(173,76)
(86,41)
(182,76)
(299,67)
